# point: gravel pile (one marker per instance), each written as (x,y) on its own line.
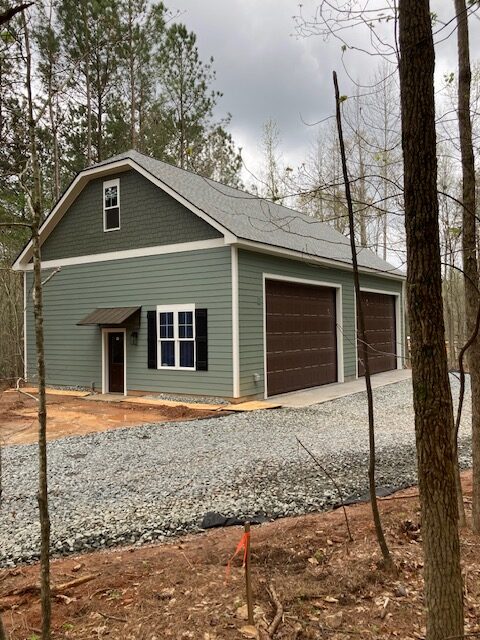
(155,481)
(63,387)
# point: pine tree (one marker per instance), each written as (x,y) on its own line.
(183,130)
(91,37)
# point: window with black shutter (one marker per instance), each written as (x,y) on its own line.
(201,339)
(152,339)
(177,338)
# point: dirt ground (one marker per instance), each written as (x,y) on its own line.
(328,587)
(77,416)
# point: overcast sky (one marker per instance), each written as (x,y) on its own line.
(266,71)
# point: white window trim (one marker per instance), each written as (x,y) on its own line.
(175,308)
(106,185)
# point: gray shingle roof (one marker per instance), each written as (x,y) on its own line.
(251,218)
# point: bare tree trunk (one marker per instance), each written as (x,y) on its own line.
(53,116)
(431,389)
(3,633)
(89,119)
(42,444)
(88,88)
(362,192)
(361,322)
(469,241)
(36,208)
(131,64)
(385,215)
(56,159)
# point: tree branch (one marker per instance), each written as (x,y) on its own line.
(12,12)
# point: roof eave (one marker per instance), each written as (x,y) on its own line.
(307,257)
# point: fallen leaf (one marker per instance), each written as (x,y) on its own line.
(331,599)
(242,612)
(383,612)
(335,621)
(249,631)
(64,598)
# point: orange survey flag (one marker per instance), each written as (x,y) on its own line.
(243,544)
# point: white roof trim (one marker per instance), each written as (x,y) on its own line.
(307,257)
(128,253)
(79,183)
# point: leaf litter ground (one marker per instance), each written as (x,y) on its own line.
(328,587)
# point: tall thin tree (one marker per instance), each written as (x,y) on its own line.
(469,245)
(35,203)
(387,558)
(431,390)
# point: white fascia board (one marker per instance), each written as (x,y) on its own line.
(129,253)
(306,257)
(79,183)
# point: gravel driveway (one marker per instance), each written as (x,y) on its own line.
(145,483)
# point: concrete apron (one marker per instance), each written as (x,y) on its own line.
(318,395)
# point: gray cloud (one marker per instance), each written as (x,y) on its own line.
(266,72)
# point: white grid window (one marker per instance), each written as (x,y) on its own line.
(111,205)
(176,337)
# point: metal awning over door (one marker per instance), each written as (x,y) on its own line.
(301,336)
(111,316)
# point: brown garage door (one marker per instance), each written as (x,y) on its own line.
(380,328)
(301,336)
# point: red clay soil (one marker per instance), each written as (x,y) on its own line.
(77,416)
(328,587)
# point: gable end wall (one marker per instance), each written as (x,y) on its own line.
(148,217)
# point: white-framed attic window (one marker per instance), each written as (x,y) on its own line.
(111,205)
(176,337)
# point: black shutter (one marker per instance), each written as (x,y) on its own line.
(201,339)
(152,339)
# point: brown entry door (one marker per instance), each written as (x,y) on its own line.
(301,336)
(381,332)
(116,362)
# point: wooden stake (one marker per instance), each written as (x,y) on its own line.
(248,577)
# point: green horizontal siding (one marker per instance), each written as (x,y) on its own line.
(251,267)
(148,217)
(73,354)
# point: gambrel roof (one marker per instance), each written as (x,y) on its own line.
(252,218)
(243,217)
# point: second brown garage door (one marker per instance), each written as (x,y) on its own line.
(381,332)
(301,336)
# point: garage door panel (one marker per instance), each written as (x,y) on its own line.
(380,332)
(300,335)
